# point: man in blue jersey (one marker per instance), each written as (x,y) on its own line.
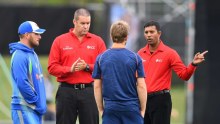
(119,80)
(28,97)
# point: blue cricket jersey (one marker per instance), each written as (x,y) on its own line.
(118,69)
(27,79)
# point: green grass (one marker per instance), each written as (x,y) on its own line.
(177,92)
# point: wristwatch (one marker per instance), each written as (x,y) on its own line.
(87,68)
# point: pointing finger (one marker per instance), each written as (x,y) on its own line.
(204,52)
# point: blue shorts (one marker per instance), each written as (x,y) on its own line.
(26,117)
(121,117)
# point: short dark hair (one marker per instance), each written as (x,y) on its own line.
(153,23)
(21,35)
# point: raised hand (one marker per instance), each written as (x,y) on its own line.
(199,57)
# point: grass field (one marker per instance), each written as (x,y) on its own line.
(177,92)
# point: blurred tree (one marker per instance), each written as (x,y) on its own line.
(50,2)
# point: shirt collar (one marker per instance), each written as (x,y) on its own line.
(88,35)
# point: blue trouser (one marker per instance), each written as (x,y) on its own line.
(121,117)
(27,116)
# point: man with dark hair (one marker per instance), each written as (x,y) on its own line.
(159,60)
(28,97)
(119,80)
(71,60)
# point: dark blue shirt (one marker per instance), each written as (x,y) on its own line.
(118,69)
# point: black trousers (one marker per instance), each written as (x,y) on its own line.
(71,103)
(158,109)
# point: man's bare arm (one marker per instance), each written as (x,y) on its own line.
(142,94)
(98,94)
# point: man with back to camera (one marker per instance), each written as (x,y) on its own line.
(119,80)
(28,93)
(71,60)
(159,60)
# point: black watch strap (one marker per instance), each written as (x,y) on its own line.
(87,68)
(194,64)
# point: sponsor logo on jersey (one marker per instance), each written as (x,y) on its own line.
(67,48)
(159,60)
(91,47)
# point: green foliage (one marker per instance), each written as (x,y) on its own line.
(66,2)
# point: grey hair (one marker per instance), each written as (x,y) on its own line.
(81,12)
